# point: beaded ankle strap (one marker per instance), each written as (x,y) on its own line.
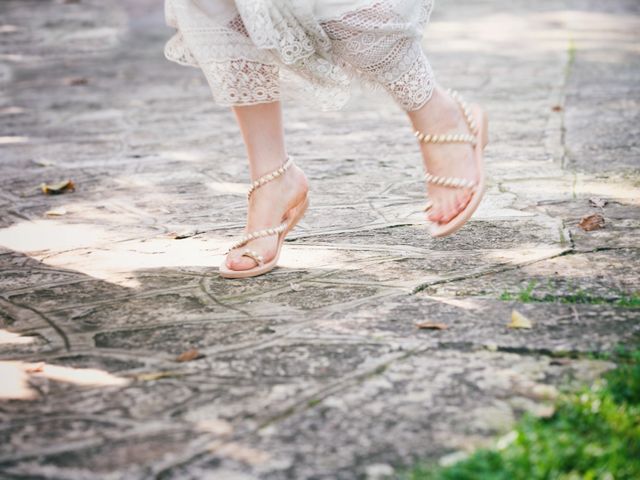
(270,176)
(267,231)
(453,138)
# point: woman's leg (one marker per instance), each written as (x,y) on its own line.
(263,133)
(395,60)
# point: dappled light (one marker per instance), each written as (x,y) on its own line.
(127,352)
(13,139)
(537,34)
(525,253)
(10,338)
(16,378)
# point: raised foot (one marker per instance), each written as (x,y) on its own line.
(450,156)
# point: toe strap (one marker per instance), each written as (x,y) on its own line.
(453,182)
(258,234)
(259,259)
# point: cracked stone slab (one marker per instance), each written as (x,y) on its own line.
(605,275)
(318,369)
(432,401)
(482,323)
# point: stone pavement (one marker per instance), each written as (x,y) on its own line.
(317,370)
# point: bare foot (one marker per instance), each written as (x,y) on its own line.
(267,208)
(442,115)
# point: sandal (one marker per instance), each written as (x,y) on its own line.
(290,219)
(477,122)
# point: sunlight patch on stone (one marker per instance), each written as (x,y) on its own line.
(523,254)
(10,338)
(50,235)
(15,378)
(183,155)
(102,254)
(118,263)
(79,376)
(228,187)
(13,139)
(316,257)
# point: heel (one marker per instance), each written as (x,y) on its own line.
(297,213)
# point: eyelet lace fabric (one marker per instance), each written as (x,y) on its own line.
(257,51)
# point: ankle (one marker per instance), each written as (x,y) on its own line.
(261,165)
(440,111)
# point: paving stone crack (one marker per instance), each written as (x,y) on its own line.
(61,333)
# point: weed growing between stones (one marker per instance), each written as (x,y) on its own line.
(593,434)
(578,296)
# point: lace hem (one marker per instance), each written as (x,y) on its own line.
(241,52)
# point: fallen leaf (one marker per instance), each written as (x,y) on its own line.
(591,222)
(432,326)
(518,320)
(44,163)
(189,355)
(34,367)
(597,202)
(184,234)
(56,212)
(75,81)
(557,108)
(561,361)
(149,377)
(60,187)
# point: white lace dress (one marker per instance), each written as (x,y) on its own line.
(257,51)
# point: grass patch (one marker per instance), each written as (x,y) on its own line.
(593,434)
(578,296)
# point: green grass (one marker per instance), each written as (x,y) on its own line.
(593,434)
(578,296)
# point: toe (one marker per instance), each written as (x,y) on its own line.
(435,214)
(237,262)
(462,200)
(450,212)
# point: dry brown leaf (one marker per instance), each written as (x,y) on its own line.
(518,320)
(34,367)
(60,187)
(557,108)
(184,234)
(597,202)
(148,377)
(189,355)
(432,326)
(591,222)
(56,212)
(75,81)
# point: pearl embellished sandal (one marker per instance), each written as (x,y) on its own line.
(477,122)
(290,219)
